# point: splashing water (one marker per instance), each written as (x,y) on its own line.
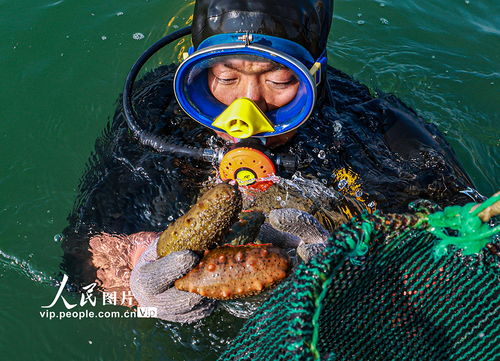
(25,269)
(310,188)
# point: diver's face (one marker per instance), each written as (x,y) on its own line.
(268,85)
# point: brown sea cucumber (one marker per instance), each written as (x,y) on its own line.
(236,271)
(205,224)
(246,229)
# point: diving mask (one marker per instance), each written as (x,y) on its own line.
(242,118)
(248,162)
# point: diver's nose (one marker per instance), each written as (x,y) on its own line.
(254,92)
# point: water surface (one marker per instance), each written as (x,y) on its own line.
(63,64)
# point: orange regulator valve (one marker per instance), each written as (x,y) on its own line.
(249,167)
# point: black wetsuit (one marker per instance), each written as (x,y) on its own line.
(129,188)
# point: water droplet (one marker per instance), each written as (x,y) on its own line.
(382,4)
(138,36)
(104,37)
(170,218)
(342,183)
(384,21)
(359,193)
(467,2)
(283,203)
(58,238)
(324,181)
(315,150)
(119,13)
(337,126)
(481,335)
(90,342)
(360,22)
(321,154)
(360,15)
(278,198)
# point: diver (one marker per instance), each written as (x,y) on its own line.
(256,79)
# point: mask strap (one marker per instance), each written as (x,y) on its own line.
(319,67)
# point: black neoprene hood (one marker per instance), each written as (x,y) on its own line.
(306,22)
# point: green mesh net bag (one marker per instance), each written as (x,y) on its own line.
(387,287)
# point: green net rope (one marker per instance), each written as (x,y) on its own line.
(386,288)
(473,233)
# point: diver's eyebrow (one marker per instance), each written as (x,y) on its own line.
(273,68)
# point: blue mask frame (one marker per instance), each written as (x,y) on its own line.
(198,102)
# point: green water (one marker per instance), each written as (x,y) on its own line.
(63,64)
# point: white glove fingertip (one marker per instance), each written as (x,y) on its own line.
(308,251)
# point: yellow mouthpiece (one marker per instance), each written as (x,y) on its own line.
(242,119)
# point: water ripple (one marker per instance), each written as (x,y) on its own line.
(25,269)
(55,3)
